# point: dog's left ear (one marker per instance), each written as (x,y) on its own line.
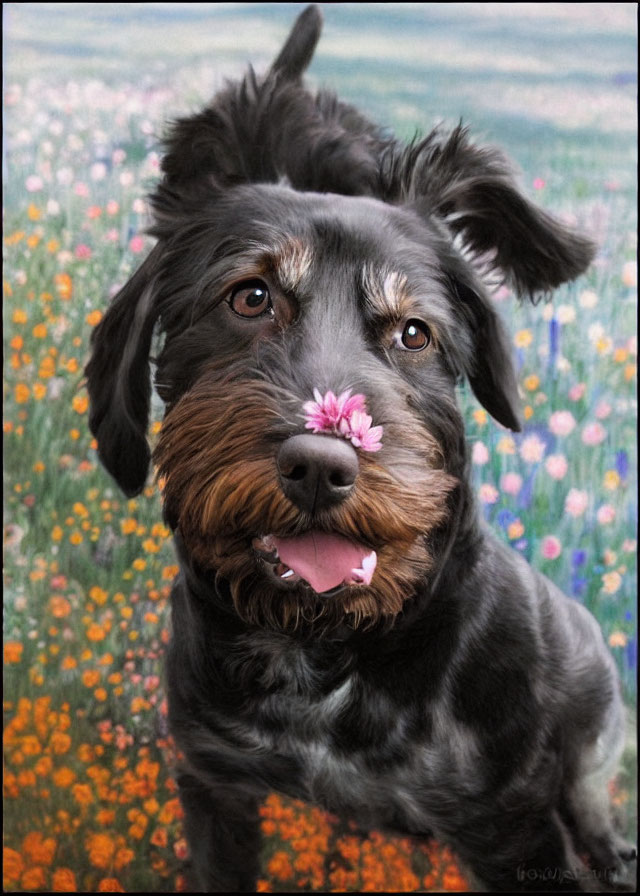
(486,358)
(474,191)
(119,379)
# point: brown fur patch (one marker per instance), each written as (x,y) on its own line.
(217,451)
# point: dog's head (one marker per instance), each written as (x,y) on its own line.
(316,287)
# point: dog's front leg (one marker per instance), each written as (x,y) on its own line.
(523,852)
(222,827)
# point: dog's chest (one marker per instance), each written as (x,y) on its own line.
(363,753)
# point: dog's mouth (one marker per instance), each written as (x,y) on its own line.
(325,562)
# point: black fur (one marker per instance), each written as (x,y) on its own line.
(486,710)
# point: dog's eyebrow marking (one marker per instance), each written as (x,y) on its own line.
(386,293)
(292,261)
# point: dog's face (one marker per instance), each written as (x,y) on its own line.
(312,455)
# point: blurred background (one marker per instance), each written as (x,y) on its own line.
(90,802)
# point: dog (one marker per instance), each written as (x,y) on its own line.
(344,629)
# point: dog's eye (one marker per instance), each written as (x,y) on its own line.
(415,336)
(251,299)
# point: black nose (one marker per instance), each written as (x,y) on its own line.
(316,471)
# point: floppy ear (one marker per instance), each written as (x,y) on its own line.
(488,367)
(474,191)
(119,379)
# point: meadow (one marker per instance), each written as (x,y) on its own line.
(89,801)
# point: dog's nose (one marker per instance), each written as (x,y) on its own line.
(316,471)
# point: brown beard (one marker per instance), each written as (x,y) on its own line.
(217,456)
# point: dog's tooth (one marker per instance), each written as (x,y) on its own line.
(287,574)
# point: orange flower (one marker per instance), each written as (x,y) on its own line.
(159,837)
(59,606)
(33,878)
(59,742)
(90,678)
(82,794)
(22,393)
(37,849)
(94,317)
(95,632)
(123,857)
(12,867)
(64,286)
(64,881)
(98,595)
(12,652)
(39,331)
(279,866)
(110,885)
(63,777)
(80,404)
(100,849)
(43,766)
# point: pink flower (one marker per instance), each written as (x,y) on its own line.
(532,449)
(112,207)
(539,183)
(480,453)
(344,415)
(576,502)
(556,466)
(606,514)
(81,189)
(82,251)
(603,409)
(593,434)
(576,392)
(488,494)
(511,483)
(34,183)
(551,547)
(136,243)
(561,423)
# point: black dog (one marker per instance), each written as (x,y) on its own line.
(344,630)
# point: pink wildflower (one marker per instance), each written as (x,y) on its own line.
(344,415)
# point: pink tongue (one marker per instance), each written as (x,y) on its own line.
(325,561)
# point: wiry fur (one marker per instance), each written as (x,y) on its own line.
(459,693)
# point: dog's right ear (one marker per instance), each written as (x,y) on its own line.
(119,379)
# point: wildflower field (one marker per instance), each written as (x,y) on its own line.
(89,799)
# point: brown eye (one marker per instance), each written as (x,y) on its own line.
(415,336)
(251,299)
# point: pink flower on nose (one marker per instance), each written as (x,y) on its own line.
(343,415)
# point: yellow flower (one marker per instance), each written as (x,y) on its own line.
(531,382)
(515,530)
(33,212)
(611,582)
(523,338)
(19,316)
(617,639)
(611,480)
(480,416)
